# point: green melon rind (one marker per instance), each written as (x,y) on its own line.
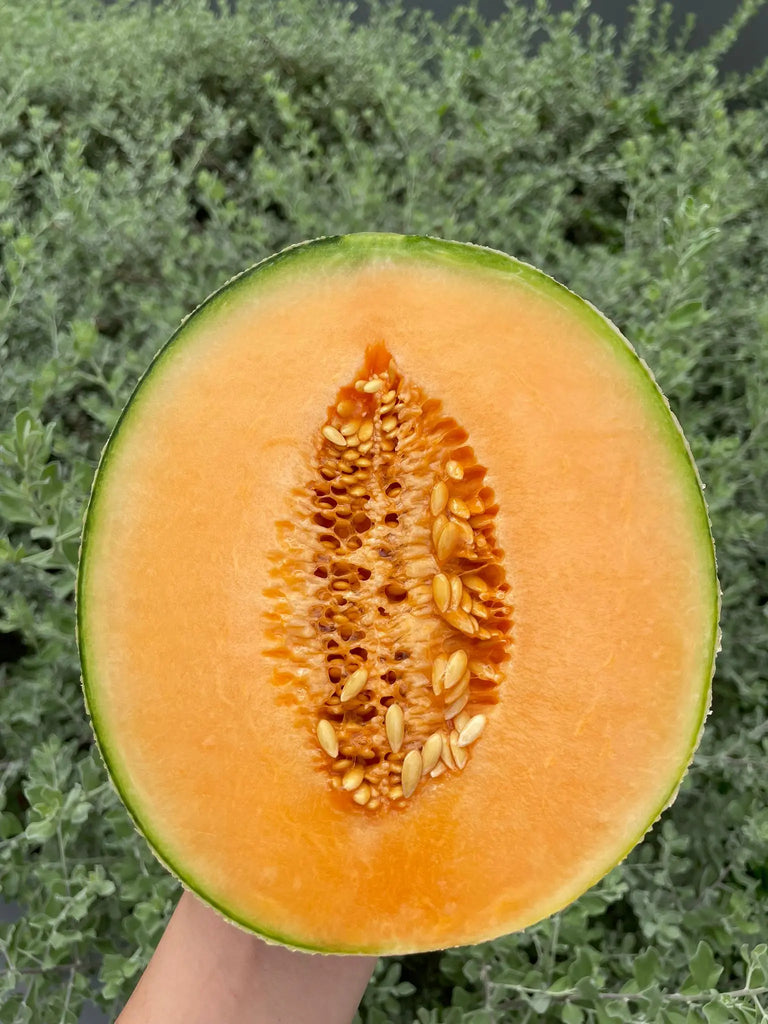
(350,250)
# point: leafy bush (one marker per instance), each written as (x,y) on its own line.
(148,154)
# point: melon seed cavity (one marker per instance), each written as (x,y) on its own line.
(391,612)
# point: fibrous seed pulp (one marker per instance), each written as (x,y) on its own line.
(391,612)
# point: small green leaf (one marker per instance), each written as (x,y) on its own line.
(646,967)
(703,968)
(716,1013)
(572,1014)
(10,825)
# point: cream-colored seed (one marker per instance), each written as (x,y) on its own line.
(372,386)
(362,794)
(334,436)
(438,671)
(476,506)
(455,669)
(461,621)
(438,770)
(388,424)
(352,779)
(466,602)
(342,764)
(479,610)
(458,508)
(411,772)
(446,754)
(457,591)
(441,592)
(454,470)
(466,532)
(471,730)
(438,498)
(437,527)
(327,738)
(387,407)
(430,752)
(453,694)
(396,793)
(389,395)
(358,491)
(458,705)
(481,520)
(475,583)
(345,408)
(349,428)
(365,446)
(460,721)
(460,755)
(484,670)
(355,684)
(365,430)
(448,541)
(394,723)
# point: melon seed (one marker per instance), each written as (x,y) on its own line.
(475,583)
(352,779)
(460,755)
(438,672)
(394,724)
(458,508)
(430,752)
(460,721)
(411,772)
(438,526)
(452,694)
(446,754)
(355,684)
(457,592)
(471,730)
(462,621)
(448,541)
(438,499)
(458,705)
(334,436)
(362,794)
(455,668)
(326,737)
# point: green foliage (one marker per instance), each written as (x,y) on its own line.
(146,154)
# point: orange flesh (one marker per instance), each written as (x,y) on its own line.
(599,705)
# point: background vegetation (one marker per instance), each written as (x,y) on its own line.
(145,156)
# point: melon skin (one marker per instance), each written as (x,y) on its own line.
(319,256)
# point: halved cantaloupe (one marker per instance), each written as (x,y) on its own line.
(397,600)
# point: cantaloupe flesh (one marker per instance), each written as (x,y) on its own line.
(607,550)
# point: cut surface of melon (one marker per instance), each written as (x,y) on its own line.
(240,565)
